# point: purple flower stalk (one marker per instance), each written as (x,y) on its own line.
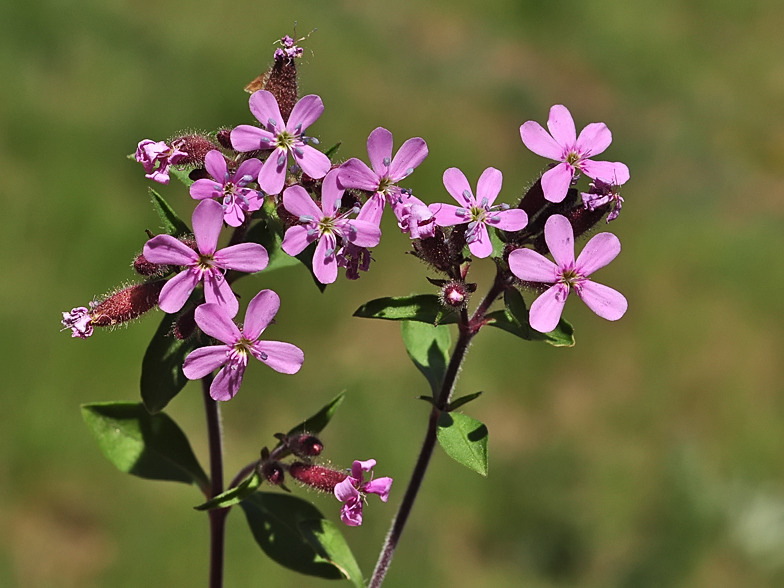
(386,173)
(325,225)
(602,193)
(205,265)
(479,212)
(238,345)
(230,189)
(573,153)
(283,138)
(353,490)
(158,157)
(566,274)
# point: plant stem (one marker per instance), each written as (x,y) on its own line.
(217,516)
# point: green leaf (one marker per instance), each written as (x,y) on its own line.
(182,174)
(464,439)
(274,520)
(172,224)
(150,446)
(428,348)
(514,319)
(234,495)
(455,404)
(326,539)
(424,308)
(162,376)
(316,423)
(498,244)
(332,151)
(269,233)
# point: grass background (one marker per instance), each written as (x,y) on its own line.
(649,455)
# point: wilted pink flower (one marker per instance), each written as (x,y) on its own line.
(326,226)
(573,153)
(386,173)
(353,489)
(478,211)
(207,264)
(80,321)
(239,343)
(602,193)
(230,189)
(158,157)
(414,217)
(289,50)
(566,274)
(354,259)
(283,138)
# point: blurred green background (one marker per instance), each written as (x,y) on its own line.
(649,455)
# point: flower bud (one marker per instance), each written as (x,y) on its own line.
(319,477)
(224,138)
(272,472)
(196,147)
(127,304)
(435,251)
(281,79)
(146,268)
(305,445)
(455,294)
(533,202)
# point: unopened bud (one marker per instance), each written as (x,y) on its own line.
(197,147)
(533,202)
(146,268)
(272,472)
(316,476)
(224,138)
(584,219)
(435,251)
(127,304)
(305,445)
(281,82)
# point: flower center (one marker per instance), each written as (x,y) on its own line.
(326,225)
(286,139)
(571,278)
(573,158)
(384,184)
(477,213)
(206,262)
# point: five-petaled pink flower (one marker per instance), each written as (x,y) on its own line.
(353,489)
(573,153)
(566,274)
(158,157)
(239,343)
(283,137)
(478,211)
(386,173)
(207,264)
(326,225)
(230,189)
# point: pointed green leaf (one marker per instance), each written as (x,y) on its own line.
(234,495)
(424,308)
(514,319)
(171,223)
(332,151)
(184,175)
(498,244)
(326,539)
(464,439)
(455,404)
(162,376)
(150,446)
(274,520)
(428,348)
(318,421)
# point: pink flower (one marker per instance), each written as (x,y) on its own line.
(207,264)
(230,189)
(239,343)
(353,489)
(326,226)
(386,173)
(478,211)
(290,50)
(80,321)
(151,154)
(566,274)
(284,138)
(602,193)
(415,218)
(573,153)
(354,259)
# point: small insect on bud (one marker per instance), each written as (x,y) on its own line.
(316,476)
(272,472)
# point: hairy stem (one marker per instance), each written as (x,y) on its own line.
(217,516)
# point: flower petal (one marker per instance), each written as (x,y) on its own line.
(456,184)
(481,246)
(489,185)
(331,193)
(213,320)
(559,236)
(539,141)
(512,219)
(170,251)
(373,209)
(284,358)
(345,491)
(205,360)
(325,266)
(364,233)
(561,126)
(603,300)
(248,138)
(243,257)
(546,310)
(207,224)
(233,215)
(351,513)
(264,107)
(272,176)
(360,466)
(215,164)
(597,253)
(227,383)
(555,182)
(530,266)
(305,113)
(380,486)
(218,291)
(610,172)
(298,202)
(356,174)
(410,155)
(379,146)
(446,214)
(593,139)
(261,310)
(175,292)
(204,188)
(249,167)
(297,239)
(312,161)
